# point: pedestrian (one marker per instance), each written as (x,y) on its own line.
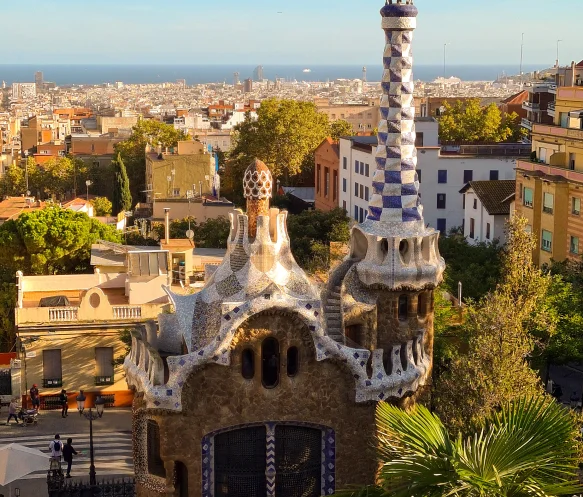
(64,403)
(68,452)
(56,448)
(12,409)
(34,397)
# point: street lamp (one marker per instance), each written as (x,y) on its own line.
(91,416)
(88,183)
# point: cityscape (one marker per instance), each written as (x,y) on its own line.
(298,280)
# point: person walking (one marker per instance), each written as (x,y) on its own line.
(35,397)
(56,448)
(68,452)
(64,403)
(12,410)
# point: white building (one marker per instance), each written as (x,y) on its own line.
(23,91)
(441,176)
(487,207)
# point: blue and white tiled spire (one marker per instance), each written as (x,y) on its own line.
(395,198)
(394,248)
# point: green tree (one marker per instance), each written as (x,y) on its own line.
(528,448)
(102,206)
(476,266)
(284,136)
(51,241)
(12,183)
(469,122)
(340,128)
(311,233)
(132,150)
(492,368)
(122,197)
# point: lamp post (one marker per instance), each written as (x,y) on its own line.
(91,416)
(88,183)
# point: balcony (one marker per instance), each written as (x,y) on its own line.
(551,109)
(531,106)
(73,315)
(542,88)
(552,89)
(525,123)
(557,131)
(568,174)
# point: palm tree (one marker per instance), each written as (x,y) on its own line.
(528,448)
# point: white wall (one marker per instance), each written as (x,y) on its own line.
(482,218)
(430,130)
(429,162)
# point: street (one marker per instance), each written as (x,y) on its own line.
(112,440)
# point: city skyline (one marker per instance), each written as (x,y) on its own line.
(268,32)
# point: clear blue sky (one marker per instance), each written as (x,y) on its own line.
(307,31)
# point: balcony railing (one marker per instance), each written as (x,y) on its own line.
(525,123)
(532,106)
(127,312)
(63,313)
(558,131)
(548,210)
(569,174)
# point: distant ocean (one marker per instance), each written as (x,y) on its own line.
(65,75)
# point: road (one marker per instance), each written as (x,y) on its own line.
(112,439)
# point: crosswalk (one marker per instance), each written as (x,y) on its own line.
(113,453)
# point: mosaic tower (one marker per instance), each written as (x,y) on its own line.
(264,383)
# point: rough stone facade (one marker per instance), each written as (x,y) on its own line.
(321,393)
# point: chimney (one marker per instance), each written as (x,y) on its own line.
(167,224)
(572,73)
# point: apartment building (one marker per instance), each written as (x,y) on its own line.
(540,105)
(171,173)
(549,186)
(327,162)
(486,209)
(441,175)
(364,118)
(68,326)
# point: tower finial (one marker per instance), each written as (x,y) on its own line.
(257,186)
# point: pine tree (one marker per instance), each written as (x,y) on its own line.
(122,198)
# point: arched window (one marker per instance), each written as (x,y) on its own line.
(155,463)
(270,362)
(248,364)
(403,304)
(293,361)
(422,305)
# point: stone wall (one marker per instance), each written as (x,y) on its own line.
(218,397)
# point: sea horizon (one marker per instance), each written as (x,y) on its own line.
(95,74)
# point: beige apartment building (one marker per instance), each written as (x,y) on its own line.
(363,117)
(549,188)
(69,326)
(173,172)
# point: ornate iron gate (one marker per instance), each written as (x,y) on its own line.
(117,488)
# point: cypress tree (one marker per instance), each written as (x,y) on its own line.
(122,198)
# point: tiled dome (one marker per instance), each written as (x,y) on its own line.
(257,182)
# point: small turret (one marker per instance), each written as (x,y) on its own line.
(257,186)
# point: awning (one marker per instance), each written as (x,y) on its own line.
(577,114)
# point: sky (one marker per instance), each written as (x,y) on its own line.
(281,32)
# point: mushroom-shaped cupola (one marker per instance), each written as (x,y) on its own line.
(258,263)
(257,186)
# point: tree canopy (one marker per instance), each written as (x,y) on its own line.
(122,198)
(51,241)
(284,136)
(102,206)
(469,122)
(496,340)
(132,150)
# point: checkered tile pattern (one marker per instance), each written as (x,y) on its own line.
(395,196)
